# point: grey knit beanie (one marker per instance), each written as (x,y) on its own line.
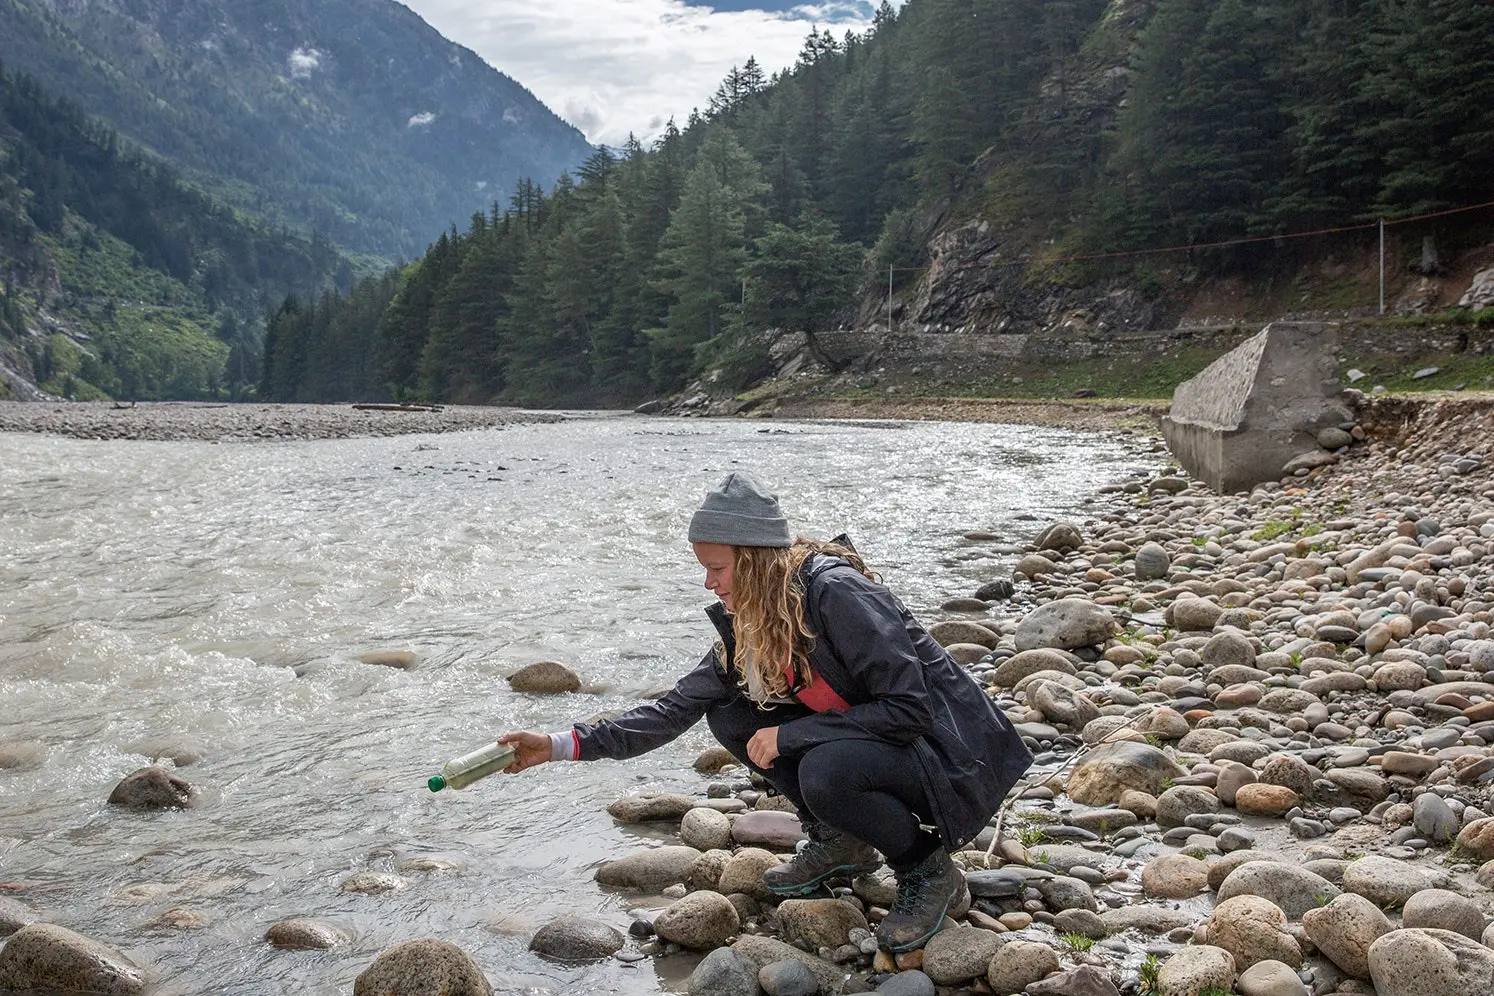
(740,513)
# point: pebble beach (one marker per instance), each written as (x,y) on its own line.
(1264,731)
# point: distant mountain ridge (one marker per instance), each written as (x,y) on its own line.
(352,117)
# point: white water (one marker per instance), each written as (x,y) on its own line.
(216,597)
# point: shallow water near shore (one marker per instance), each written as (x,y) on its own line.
(215,599)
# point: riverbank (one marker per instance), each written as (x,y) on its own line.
(1264,730)
(187,420)
(1054,413)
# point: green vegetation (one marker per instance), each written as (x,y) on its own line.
(1147,973)
(1077,942)
(1032,836)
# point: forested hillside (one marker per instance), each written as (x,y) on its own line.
(1075,126)
(119,279)
(350,118)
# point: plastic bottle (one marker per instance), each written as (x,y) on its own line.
(468,768)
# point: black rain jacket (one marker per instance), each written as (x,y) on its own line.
(902,687)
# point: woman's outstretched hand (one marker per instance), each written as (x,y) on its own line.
(763,747)
(530,749)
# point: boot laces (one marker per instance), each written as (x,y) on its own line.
(909,888)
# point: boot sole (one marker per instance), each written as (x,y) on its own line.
(805,888)
(921,941)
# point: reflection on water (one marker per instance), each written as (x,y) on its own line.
(210,603)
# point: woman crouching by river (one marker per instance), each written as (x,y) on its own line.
(824,684)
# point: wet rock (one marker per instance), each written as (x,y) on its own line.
(400,660)
(304,935)
(423,967)
(1192,970)
(1065,624)
(1344,930)
(959,954)
(1060,536)
(996,591)
(788,978)
(22,754)
(48,957)
(651,807)
(153,788)
(705,870)
(545,678)
(713,759)
(706,829)
(723,973)
(371,883)
(1099,778)
(700,921)
(655,869)
(1018,964)
(1416,962)
(571,938)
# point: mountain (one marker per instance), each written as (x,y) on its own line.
(352,118)
(119,280)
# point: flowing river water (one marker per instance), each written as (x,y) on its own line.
(207,600)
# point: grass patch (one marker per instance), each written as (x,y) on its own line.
(1077,942)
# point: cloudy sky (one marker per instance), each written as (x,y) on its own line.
(611,67)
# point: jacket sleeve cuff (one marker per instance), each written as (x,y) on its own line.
(565,746)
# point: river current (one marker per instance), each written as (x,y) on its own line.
(212,602)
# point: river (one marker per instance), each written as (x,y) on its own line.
(214,600)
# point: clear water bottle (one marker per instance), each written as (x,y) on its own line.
(468,768)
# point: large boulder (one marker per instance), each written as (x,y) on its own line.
(44,956)
(423,967)
(723,972)
(759,951)
(1029,662)
(1387,882)
(1193,969)
(1065,624)
(821,923)
(744,873)
(1253,930)
(959,954)
(1417,962)
(955,631)
(1102,775)
(1252,411)
(647,808)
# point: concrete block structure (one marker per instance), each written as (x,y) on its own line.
(1247,414)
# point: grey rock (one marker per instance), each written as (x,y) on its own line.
(304,935)
(1344,930)
(1434,818)
(1064,893)
(48,957)
(1029,662)
(651,807)
(788,978)
(1196,968)
(570,938)
(1386,882)
(706,829)
(1086,980)
(422,967)
(13,916)
(724,973)
(1099,778)
(1293,889)
(959,954)
(1443,910)
(1018,964)
(652,870)
(1065,624)
(1152,562)
(909,983)
(759,951)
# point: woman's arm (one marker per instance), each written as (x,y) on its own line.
(654,724)
(866,629)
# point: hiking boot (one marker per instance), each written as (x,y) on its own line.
(826,853)
(927,893)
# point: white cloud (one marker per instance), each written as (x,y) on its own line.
(423,118)
(615,66)
(303,61)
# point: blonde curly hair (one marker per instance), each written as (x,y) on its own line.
(772,636)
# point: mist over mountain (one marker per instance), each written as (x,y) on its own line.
(350,117)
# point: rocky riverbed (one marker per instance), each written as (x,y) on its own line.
(177,420)
(1264,729)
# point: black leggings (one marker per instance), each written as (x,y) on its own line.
(865,788)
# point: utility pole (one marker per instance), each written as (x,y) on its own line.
(1382,266)
(889,297)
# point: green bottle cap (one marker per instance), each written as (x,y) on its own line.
(437,783)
